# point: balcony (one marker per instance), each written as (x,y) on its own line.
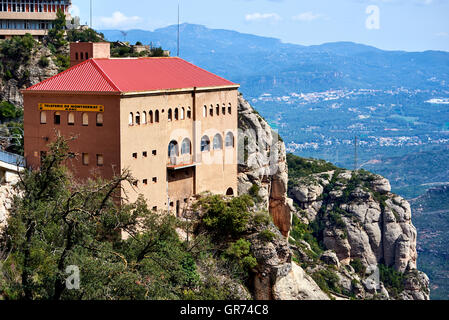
(180,162)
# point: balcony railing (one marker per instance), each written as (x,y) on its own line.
(12,159)
(180,161)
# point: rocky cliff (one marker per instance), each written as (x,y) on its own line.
(263,165)
(351,237)
(26,73)
(6,195)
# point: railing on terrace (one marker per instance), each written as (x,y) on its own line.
(12,159)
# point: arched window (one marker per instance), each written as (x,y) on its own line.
(189,113)
(205,144)
(218,142)
(176,114)
(229,140)
(57,118)
(186,147)
(218,109)
(173,150)
(43,117)
(131,119)
(150,117)
(205,111)
(156,116)
(71,119)
(183,114)
(85,117)
(230,192)
(99,120)
(170,115)
(230,109)
(144,117)
(138,118)
(223,109)
(211,110)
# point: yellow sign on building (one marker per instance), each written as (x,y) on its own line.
(70,107)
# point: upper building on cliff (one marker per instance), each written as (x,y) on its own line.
(35,17)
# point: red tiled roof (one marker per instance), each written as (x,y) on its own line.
(131,75)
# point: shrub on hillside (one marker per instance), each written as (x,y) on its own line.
(226,217)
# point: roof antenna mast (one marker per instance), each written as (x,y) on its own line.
(178,28)
(91,14)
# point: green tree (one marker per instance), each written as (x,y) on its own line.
(84,35)
(57,222)
(8,111)
(56,35)
(226,218)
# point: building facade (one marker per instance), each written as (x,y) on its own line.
(172,124)
(19,17)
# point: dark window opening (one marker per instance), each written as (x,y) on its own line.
(57,118)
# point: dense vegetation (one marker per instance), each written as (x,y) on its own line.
(58,222)
(300,167)
(119,50)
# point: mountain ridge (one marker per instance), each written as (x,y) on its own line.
(263,64)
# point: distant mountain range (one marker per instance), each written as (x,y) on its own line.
(262,64)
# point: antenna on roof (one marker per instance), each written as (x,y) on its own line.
(178,28)
(91,14)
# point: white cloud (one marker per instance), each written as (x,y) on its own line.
(442,34)
(307,16)
(262,16)
(119,20)
(75,11)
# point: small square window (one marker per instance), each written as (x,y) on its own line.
(145,181)
(136,183)
(154,152)
(145,154)
(154,208)
(154,180)
(135,155)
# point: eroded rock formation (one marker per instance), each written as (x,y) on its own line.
(262,159)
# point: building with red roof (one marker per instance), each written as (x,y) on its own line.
(173,124)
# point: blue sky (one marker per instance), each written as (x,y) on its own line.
(412,25)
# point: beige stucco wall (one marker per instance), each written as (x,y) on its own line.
(210,173)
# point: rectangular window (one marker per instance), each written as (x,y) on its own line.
(145,154)
(135,155)
(155,180)
(43,117)
(100,160)
(154,152)
(154,208)
(71,119)
(145,181)
(57,118)
(136,183)
(85,159)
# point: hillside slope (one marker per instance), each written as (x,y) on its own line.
(347,225)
